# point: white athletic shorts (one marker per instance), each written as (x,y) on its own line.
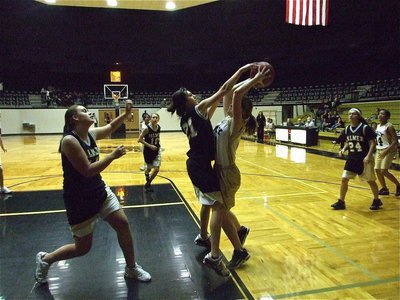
(208,198)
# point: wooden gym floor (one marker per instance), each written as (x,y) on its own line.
(300,248)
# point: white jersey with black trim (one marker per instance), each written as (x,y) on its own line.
(382,141)
(226,142)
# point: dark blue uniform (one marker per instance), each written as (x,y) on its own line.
(153,138)
(199,131)
(358,140)
(83,196)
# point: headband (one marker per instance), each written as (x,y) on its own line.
(355,110)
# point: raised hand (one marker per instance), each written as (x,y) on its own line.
(263,72)
(128,106)
(118,152)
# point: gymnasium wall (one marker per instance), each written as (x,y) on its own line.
(51,121)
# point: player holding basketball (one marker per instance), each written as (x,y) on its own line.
(386,149)
(238,119)
(85,194)
(150,138)
(195,123)
(360,140)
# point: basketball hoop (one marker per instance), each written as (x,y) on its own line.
(114,92)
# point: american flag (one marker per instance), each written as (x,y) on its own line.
(307,12)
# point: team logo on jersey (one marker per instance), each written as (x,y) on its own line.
(92,154)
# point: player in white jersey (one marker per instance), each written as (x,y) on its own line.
(238,119)
(386,149)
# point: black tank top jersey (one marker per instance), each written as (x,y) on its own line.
(357,139)
(200,134)
(83,196)
(153,138)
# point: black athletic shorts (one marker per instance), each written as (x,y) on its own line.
(202,175)
(354,165)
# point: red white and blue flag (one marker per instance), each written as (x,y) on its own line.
(307,12)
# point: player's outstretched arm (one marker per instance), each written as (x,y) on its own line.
(223,90)
(71,148)
(105,131)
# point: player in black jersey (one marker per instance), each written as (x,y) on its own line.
(87,198)
(361,143)
(195,123)
(150,138)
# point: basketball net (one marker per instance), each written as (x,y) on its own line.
(116,99)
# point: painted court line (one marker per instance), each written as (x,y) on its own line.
(281,195)
(63,210)
(336,288)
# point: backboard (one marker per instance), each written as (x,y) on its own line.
(120,90)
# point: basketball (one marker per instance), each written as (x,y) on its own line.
(269,78)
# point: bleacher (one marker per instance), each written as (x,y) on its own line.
(368,110)
(378,90)
(15,99)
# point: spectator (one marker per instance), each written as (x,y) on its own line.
(326,122)
(289,122)
(309,123)
(338,124)
(374,116)
(107,118)
(261,122)
(43,94)
(299,123)
(336,102)
(270,127)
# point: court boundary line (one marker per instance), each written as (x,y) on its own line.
(336,288)
(30,213)
(139,172)
(282,195)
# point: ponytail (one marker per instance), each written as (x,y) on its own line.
(178,103)
(69,126)
(250,125)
